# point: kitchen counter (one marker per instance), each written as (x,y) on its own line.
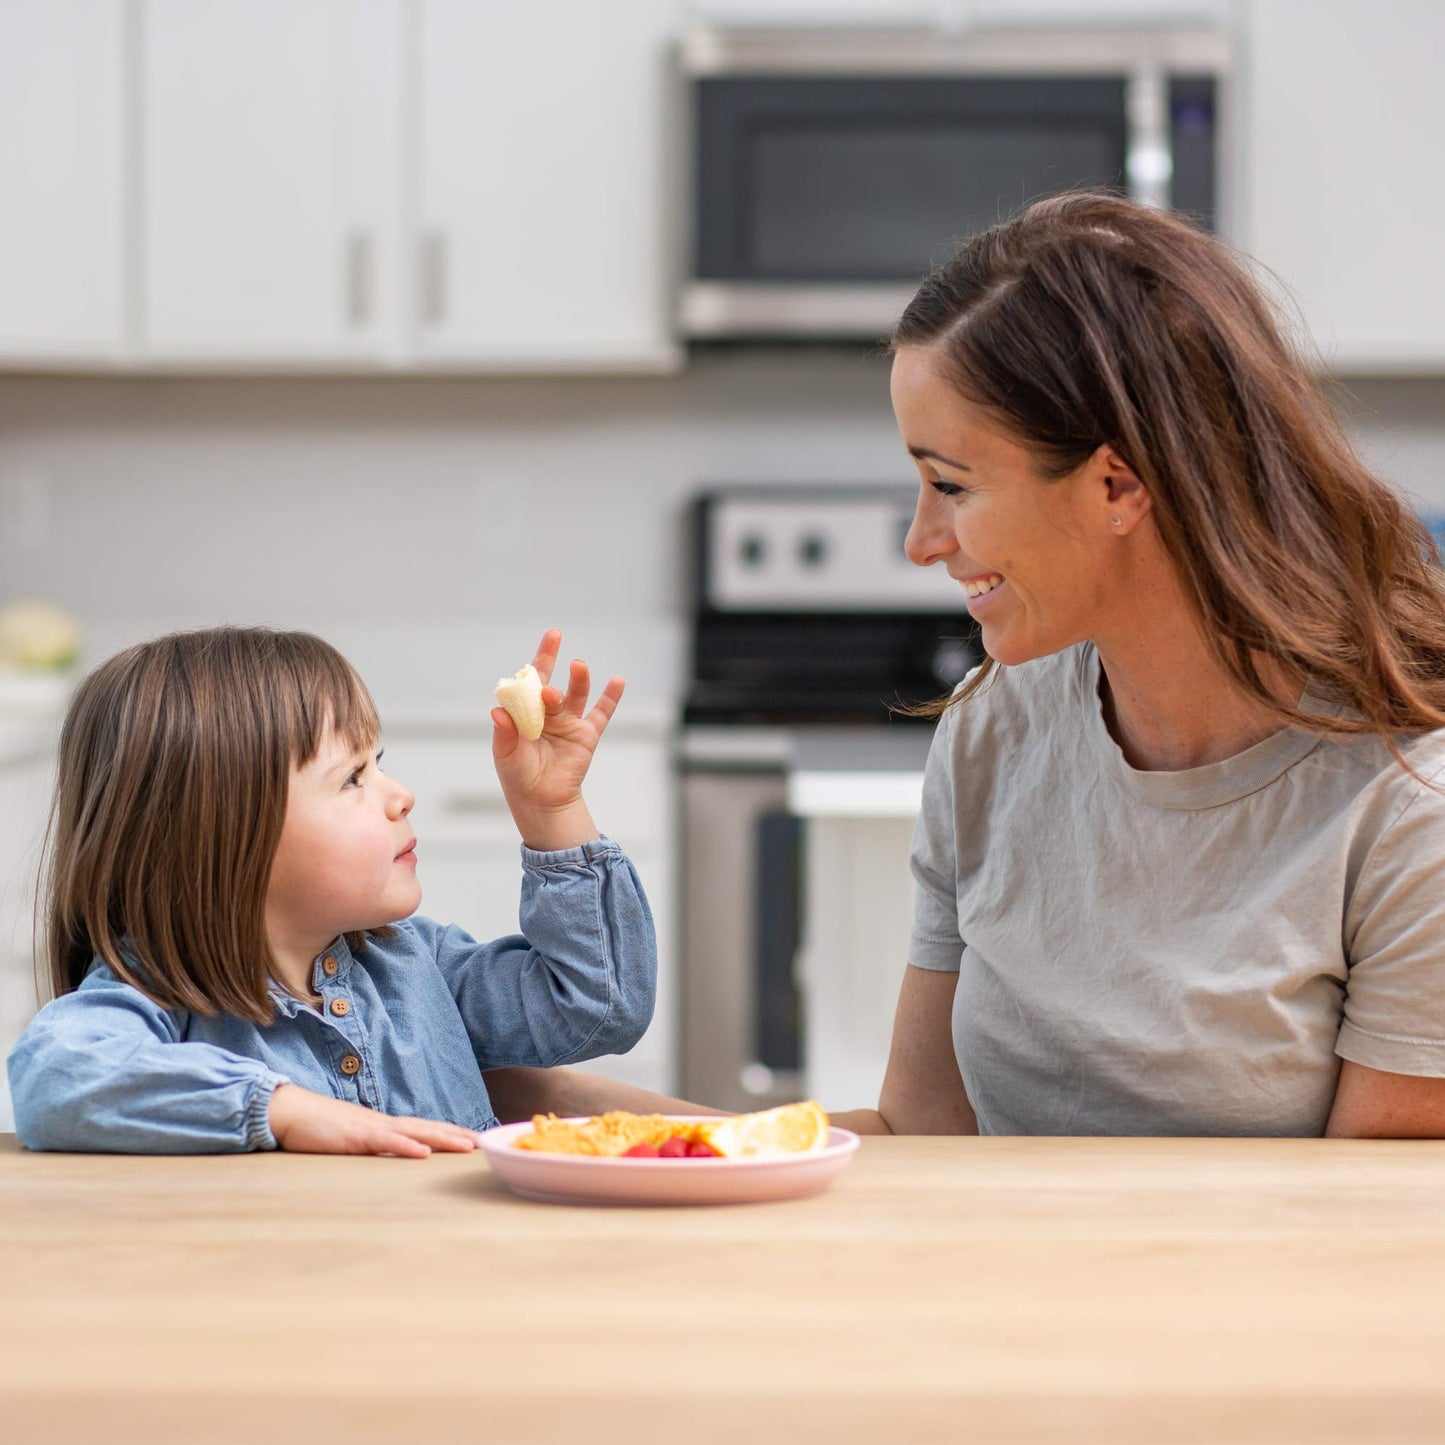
(944,1289)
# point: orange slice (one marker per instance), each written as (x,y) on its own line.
(791,1129)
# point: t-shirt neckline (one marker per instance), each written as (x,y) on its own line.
(1208,786)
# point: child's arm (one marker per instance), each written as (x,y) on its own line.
(578,982)
(581,979)
(104,1069)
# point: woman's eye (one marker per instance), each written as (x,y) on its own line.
(948,489)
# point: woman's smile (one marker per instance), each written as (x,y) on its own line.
(981,588)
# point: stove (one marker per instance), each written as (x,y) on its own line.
(805,609)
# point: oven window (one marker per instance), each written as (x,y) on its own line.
(849,180)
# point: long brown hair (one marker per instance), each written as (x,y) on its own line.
(1090,320)
(174,766)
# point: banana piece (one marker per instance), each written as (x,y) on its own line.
(521,695)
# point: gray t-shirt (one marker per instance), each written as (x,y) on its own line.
(1185,953)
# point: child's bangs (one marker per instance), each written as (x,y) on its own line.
(329,695)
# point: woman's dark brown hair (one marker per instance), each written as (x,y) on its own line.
(1090,320)
(174,766)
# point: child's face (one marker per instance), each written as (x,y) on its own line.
(345,861)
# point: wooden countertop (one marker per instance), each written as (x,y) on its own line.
(943,1290)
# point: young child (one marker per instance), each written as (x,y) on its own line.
(229,893)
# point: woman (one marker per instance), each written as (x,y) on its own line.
(1178,864)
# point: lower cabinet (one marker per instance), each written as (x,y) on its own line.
(25,768)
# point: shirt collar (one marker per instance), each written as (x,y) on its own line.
(337,949)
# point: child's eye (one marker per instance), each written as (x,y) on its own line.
(354,778)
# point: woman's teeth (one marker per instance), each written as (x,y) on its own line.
(987,584)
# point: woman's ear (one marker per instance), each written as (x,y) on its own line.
(1121,492)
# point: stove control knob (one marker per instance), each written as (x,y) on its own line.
(951,661)
(813,550)
(753,550)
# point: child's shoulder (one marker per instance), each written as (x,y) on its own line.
(101,991)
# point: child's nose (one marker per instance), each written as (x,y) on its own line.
(402,800)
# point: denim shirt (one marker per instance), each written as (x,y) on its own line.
(405,1026)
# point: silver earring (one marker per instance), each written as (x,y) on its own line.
(1114,520)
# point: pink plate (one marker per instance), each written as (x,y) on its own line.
(586,1179)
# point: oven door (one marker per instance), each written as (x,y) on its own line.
(742,891)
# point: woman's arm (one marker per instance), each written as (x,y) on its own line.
(1373,1104)
(923,1091)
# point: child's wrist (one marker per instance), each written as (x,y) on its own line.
(551,830)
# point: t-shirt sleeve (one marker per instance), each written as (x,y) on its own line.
(1395,941)
(933,858)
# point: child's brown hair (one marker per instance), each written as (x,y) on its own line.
(174,768)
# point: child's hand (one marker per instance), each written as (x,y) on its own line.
(308,1123)
(542,780)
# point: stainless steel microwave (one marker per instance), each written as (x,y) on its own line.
(830,170)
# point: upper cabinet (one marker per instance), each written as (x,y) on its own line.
(493,185)
(1342,122)
(336,184)
(268,214)
(541,236)
(62,165)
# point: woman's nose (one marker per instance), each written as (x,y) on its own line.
(929,538)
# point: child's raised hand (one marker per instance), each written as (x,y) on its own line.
(542,780)
(308,1123)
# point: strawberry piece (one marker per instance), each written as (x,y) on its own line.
(641,1151)
(700,1150)
(674,1148)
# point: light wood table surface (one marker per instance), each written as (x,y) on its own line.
(942,1290)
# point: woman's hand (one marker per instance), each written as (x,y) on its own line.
(542,780)
(308,1123)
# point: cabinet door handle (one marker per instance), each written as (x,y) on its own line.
(358,278)
(433,278)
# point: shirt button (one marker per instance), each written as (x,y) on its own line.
(340,1007)
(351,1064)
(328,965)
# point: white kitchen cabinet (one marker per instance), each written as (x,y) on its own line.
(269,135)
(469,859)
(26,768)
(62,166)
(1342,127)
(542,237)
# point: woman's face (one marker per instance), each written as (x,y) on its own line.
(1031,555)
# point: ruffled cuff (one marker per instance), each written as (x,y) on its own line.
(256,1123)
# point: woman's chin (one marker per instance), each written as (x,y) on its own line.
(1011,651)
